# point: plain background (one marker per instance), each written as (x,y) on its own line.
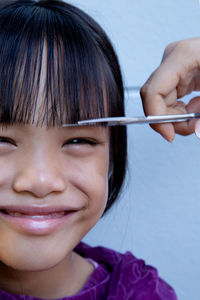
(158,215)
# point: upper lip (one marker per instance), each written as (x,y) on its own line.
(38,209)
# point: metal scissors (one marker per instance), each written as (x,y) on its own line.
(116,121)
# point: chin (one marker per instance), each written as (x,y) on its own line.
(32,259)
(29,264)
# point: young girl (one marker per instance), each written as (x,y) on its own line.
(57,66)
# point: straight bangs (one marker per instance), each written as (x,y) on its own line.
(52,66)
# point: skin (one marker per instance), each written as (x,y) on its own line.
(177,76)
(50,166)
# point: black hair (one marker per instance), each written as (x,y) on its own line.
(82,74)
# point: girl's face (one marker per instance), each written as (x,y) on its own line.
(45,170)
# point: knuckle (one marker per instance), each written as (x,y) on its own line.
(143,91)
(171,46)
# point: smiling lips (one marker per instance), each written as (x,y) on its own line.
(23,211)
(40,216)
(37,220)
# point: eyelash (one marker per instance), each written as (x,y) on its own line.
(78,141)
(6,140)
(73,141)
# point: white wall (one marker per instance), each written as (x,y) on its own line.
(158,215)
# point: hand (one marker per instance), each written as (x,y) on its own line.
(177,76)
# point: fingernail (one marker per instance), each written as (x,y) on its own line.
(197,129)
(168,138)
(169,132)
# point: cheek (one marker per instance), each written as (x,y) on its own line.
(91,178)
(95,187)
(7,169)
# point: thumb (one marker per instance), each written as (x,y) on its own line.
(197,128)
(193,106)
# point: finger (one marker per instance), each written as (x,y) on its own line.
(168,50)
(186,128)
(184,59)
(165,130)
(178,70)
(183,128)
(161,105)
(160,94)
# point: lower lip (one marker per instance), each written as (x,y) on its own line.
(42,226)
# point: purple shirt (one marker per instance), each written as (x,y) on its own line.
(117,277)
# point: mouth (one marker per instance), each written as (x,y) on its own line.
(37,220)
(37,216)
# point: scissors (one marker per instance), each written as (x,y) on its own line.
(116,121)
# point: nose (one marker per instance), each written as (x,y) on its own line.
(39,177)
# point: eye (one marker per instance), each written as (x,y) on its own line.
(6,140)
(81,141)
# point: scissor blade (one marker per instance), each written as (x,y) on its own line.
(140,120)
(115,121)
